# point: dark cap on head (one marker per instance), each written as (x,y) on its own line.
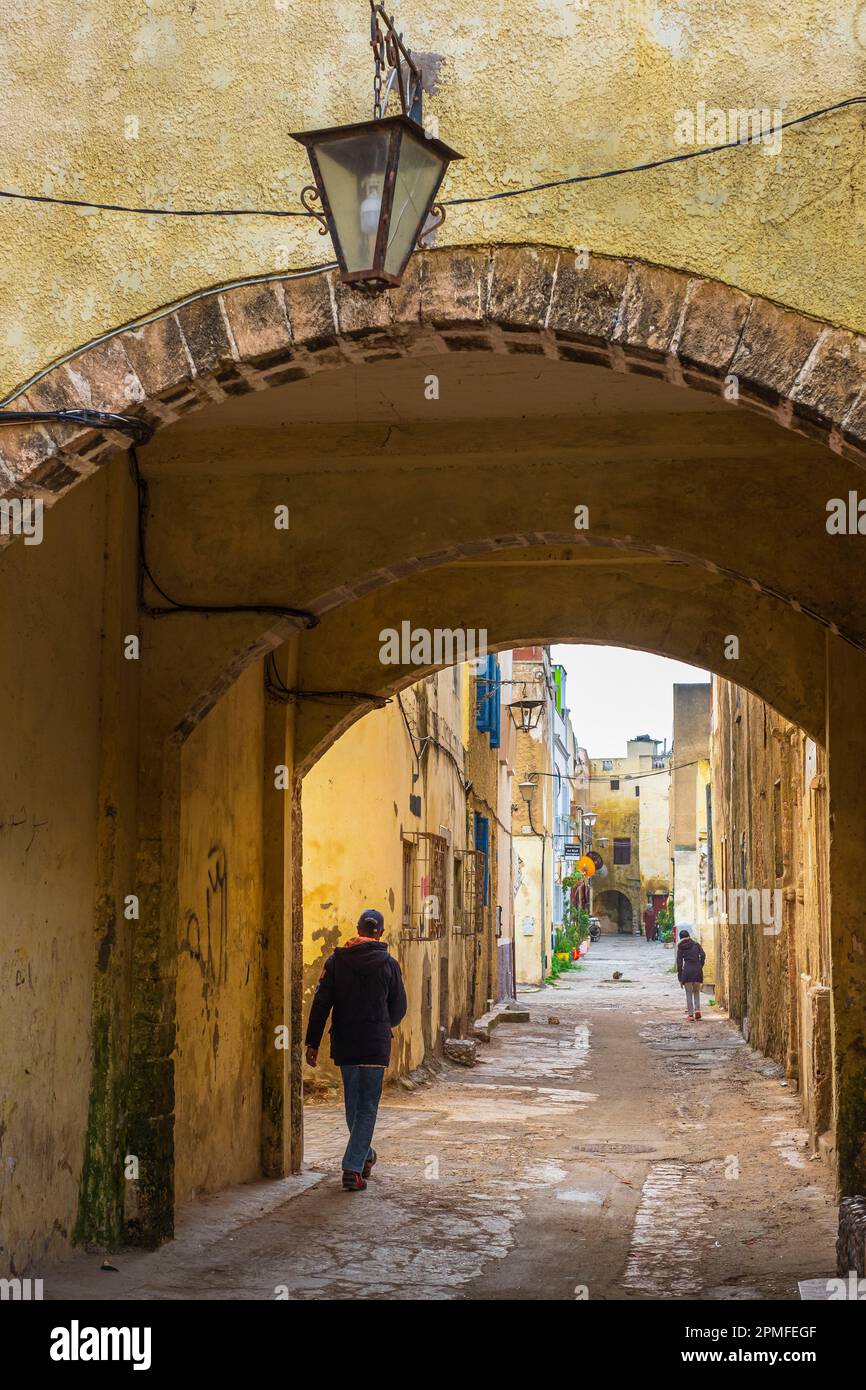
(683,933)
(370,921)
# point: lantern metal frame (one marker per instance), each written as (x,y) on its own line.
(399,128)
(404,73)
(528,708)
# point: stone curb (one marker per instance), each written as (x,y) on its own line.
(505,1012)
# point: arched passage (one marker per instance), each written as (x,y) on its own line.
(450,510)
(614,910)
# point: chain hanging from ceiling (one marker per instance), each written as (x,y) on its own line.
(389,51)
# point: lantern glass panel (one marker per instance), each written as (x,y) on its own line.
(419,169)
(353,173)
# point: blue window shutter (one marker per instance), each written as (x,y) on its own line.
(482,842)
(482,702)
(496,705)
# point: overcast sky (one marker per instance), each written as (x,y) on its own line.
(615,693)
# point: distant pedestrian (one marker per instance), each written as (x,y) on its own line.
(363,985)
(690,972)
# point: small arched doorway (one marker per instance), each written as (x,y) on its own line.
(615,912)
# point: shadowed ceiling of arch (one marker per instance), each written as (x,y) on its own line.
(471,384)
(342,411)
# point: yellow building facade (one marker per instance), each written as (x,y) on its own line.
(630,796)
(400,815)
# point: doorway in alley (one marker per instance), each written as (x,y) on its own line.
(614,911)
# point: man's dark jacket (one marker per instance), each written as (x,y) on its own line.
(690,962)
(364,987)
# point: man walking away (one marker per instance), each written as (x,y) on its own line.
(363,985)
(690,972)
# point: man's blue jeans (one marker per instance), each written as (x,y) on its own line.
(362,1089)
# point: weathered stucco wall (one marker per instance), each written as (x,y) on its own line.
(218,1092)
(356,812)
(66,827)
(154,105)
(654,825)
(619,817)
(770,833)
(691,741)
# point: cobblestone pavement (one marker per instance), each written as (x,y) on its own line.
(619,1153)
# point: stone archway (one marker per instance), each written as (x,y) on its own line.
(518,302)
(807,375)
(521,305)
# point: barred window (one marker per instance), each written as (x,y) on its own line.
(469,865)
(424,886)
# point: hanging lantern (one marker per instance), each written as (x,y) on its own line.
(525,714)
(376,181)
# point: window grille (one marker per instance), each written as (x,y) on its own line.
(469,911)
(424,886)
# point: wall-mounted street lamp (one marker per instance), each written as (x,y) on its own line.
(525,714)
(376,181)
(527,788)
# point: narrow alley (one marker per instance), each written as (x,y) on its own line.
(607,1149)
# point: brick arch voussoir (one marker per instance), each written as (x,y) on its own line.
(378,579)
(624,314)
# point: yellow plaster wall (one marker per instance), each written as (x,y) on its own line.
(355,810)
(654,825)
(192,106)
(707,927)
(49,792)
(619,814)
(219,980)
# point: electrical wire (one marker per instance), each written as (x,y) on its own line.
(280,691)
(153,212)
(318,270)
(139,430)
(655,163)
(641,168)
(306,618)
(658,772)
(158,314)
(636,776)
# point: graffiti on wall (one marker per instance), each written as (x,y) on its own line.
(206,935)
